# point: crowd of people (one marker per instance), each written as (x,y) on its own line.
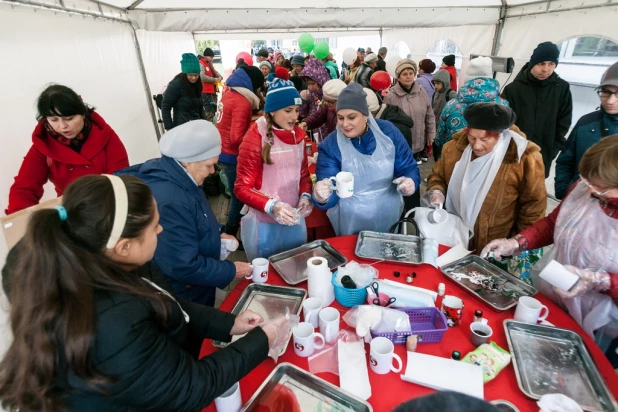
(114,290)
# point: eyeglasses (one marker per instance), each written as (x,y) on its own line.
(594,189)
(606,94)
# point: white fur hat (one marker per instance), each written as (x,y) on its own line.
(479,67)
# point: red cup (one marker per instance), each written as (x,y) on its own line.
(453,308)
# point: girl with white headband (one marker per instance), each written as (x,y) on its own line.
(92,328)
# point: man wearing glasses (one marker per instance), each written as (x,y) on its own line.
(542,102)
(590,129)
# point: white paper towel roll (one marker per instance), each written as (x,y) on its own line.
(319,283)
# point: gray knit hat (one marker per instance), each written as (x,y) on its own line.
(190,142)
(297,59)
(370,58)
(353,97)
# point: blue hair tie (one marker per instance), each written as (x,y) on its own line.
(62,213)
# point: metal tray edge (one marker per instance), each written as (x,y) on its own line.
(358,242)
(310,376)
(219,344)
(508,322)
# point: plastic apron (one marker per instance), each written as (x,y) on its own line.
(261,235)
(585,237)
(376,204)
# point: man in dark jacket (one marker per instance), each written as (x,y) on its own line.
(542,102)
(381,62)
(588,131)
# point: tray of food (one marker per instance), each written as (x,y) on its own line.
(489,283)
(389,247)
(292,264)
(553,360)
(270,301)
(289,388)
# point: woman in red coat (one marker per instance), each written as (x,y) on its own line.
(71,140)
(273,178)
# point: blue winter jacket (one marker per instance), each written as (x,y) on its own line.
(481,89)
(585,134)
(425,80)
(190,244)
(329,158)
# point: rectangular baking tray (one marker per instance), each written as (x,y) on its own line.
(553,360)
(390,247)
(292,264)
(310,393)
(510,287)
(270,301)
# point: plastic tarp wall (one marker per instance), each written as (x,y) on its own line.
(96,58)
(161,54)
(472,39)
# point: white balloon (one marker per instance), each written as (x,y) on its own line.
(349,55)
(391,65)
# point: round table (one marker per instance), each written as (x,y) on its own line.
(389,390)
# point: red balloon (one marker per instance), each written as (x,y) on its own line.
(246,57)
(380,80)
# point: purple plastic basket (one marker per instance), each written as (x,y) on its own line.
(428,324)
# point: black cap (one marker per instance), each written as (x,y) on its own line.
(456,355)
(360,50)
(491,117)
(208,52)
(397,274)
(262,53)
(449,60)
(256,76)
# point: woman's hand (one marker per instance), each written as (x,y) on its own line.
(436,199)
(405,185)
(322,190)
(284,214)
(304,206)
(598,281)
(245,322)
(500,248)
(305,94)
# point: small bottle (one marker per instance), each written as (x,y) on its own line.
(478,315)
(456,355)
(408,279)
(441,290)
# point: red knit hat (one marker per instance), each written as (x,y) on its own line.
(282,73)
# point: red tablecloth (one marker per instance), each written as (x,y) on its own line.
(389,390)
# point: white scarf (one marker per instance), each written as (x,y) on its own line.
(472,179)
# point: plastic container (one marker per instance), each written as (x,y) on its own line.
(349,297)
(382,296)
(428,324)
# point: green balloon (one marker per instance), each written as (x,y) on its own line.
(321,50)
(306,42)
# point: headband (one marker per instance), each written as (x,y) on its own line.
(122,210)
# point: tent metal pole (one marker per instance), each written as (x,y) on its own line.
(65,9)
(149,98)
(561,10)
(135,4)
(495,49)
(381,32)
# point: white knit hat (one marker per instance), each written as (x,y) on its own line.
(332,88)
(479,67)
(370,58)
(190,142)
(372,100)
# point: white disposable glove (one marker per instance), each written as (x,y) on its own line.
(305,94)
(322,190)
(500,248)
(284,214)
(588,280)
(405,185)
(278,332)
(436,198)
(304,206)
(227,246)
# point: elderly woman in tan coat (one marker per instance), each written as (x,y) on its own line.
(490,176)
(412,98)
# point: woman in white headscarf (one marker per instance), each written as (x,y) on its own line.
(490,176)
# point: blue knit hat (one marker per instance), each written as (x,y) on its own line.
(189,64)
(281,93)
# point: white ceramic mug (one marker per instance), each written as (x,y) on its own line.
(480,332)
(437,216)
(305,339)
(344,184)
(329,324)
(260,270)
(381,356)
(230,400)
(311,310)
(529,310)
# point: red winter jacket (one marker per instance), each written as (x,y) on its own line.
(233,120)
(250,166)
(453,72)
(50,160)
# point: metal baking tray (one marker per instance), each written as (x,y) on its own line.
(269,301)
(508,288)
(292,264)
(553,360)
(307,393)
(504,406)
(390,247)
